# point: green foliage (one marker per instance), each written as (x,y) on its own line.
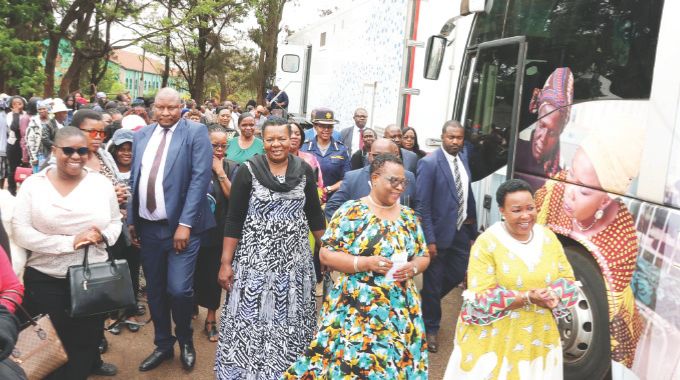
(20,46)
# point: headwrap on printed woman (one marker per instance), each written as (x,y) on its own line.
(558,91)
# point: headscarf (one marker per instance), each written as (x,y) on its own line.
(558,91)
(294,173)
(615,153)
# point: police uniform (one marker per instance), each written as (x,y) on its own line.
(333,164)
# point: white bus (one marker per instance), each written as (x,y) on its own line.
(581,99)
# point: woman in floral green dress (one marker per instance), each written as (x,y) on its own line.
(371,325)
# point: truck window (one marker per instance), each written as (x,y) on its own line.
(290,63)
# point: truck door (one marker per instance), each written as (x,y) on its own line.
(291,75)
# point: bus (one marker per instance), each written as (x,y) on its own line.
(580,98)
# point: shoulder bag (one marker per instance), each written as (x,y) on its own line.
(100,288)
(39,350)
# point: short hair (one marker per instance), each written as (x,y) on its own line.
(509,187)
(275,121)
(68,132)
(220,109)
(167,92)
(451,124)
(380,160)
(367,129)
(360,109)
(242,116)
(83,114)
(296,125)
(194,113)
(214,128)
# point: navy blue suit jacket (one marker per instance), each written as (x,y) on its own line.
(186,177)
(437,200)
(355,186)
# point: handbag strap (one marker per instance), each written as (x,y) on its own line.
(86,263)
(19,307)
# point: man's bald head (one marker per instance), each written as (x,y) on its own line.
(393,132)
(383,146)
(167,93)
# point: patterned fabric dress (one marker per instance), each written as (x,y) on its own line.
(524,343)
(270,316)
(615,249)
(371,328)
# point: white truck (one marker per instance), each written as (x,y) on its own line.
(371,55)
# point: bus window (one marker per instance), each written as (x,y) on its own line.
(290,63)
(487,108)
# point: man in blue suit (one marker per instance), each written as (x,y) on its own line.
(447,210)
(356,182)
(171,171)
(410,159)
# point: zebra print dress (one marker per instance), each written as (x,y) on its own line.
(270,316)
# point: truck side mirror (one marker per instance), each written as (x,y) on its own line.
(434,56)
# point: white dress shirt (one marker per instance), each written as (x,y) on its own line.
(147,162)
(356,137)
(455,160)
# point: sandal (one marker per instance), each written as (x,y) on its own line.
(211,331)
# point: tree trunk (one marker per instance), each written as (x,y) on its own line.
(165,80)
(199,77)
(51,64)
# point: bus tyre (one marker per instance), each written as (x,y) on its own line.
(585,334)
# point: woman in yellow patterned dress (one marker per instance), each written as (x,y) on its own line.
(519,283)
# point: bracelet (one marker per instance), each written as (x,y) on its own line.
(415,270)
(356,264)
(527,299)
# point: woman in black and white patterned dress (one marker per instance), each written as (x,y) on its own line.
(267,265)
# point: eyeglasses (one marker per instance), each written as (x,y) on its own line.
(219,146)
(82,151)
(94,133)
(395,182)
(324,126)
(361,116)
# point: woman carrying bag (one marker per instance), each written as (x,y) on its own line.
(59,211)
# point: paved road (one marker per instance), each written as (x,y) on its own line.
(127,350)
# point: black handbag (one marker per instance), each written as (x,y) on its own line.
(100,288)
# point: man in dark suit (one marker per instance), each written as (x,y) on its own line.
(171,171)
(355,185)
(410,159)
(351,136)
(447,210)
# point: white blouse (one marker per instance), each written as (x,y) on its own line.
(46,223)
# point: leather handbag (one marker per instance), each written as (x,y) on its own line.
(22,173)
(100,288)
(39,350)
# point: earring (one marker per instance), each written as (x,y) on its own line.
(599,214)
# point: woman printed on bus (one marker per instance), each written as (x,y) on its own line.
(552,103)
(519,284)
(600,221)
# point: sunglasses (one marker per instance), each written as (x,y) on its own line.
(221,146)
(83,151)
(94,133)
(396,182)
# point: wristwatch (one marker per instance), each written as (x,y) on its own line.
(415,270)
(328,189)
(222,178)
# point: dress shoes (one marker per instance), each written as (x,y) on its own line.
(106,369)
(432,345)
(155,359)
(188,356)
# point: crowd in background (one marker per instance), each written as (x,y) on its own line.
(201,198)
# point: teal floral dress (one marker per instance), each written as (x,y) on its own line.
(371,327)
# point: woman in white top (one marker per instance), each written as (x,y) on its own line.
(59,211)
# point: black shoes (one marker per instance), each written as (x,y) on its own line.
(187,356)
(106,369)
(432,345)
(155,359)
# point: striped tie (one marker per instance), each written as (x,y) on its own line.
(459,193)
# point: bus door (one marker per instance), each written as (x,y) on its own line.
(488,105)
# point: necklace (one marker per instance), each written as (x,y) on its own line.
(584,229)
(374,203)
(531,235)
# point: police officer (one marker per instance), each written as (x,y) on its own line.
(331,153)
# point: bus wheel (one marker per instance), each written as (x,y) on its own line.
(585,334)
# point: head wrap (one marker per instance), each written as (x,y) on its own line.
(558,91)
(615,152)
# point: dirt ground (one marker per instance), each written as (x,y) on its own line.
(127,350)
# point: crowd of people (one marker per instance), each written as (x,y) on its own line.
(201,199)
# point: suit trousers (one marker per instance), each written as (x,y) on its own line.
(169,282)
(80,336)
(445,272)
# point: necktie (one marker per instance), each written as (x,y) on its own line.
(151,185)
(459,193)
(361,139)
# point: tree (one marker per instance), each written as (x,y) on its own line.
(268,13)
(231,74)
(20,46)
